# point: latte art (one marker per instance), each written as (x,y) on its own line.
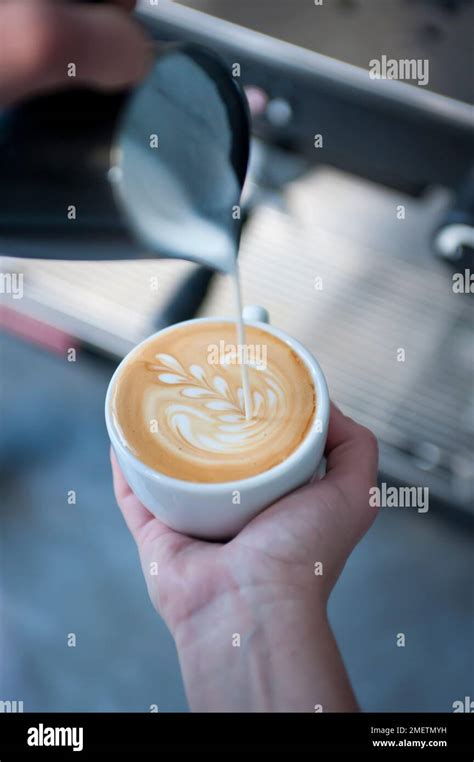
(186,417)
(206,413)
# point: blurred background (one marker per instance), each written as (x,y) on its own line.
(352,247)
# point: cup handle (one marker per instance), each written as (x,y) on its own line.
(255,314)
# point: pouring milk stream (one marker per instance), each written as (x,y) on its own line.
(179,164)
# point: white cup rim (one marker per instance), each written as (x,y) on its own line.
(310,440)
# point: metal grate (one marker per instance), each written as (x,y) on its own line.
(382,290)
(373,303)
(109,305)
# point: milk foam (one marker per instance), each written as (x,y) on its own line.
(205,412)
(184,415)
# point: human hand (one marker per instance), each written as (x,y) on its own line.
(40,38)
(263,587)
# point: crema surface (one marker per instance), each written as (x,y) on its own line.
(178,403)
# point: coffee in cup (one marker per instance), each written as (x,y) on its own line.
(178,402)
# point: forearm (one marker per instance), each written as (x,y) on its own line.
(275,657)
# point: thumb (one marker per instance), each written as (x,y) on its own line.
(157,544)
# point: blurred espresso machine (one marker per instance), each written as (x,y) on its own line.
(359,215)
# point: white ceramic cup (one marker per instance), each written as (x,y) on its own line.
(218,511)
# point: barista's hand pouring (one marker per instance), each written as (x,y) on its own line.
(40,38)
(262,585)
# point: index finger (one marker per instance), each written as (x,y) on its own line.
(352,455)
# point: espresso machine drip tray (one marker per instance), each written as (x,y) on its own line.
(346,267)
(360,288)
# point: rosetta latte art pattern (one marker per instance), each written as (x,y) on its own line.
(180,409)
(204,411)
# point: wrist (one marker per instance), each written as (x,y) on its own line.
(260,653)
